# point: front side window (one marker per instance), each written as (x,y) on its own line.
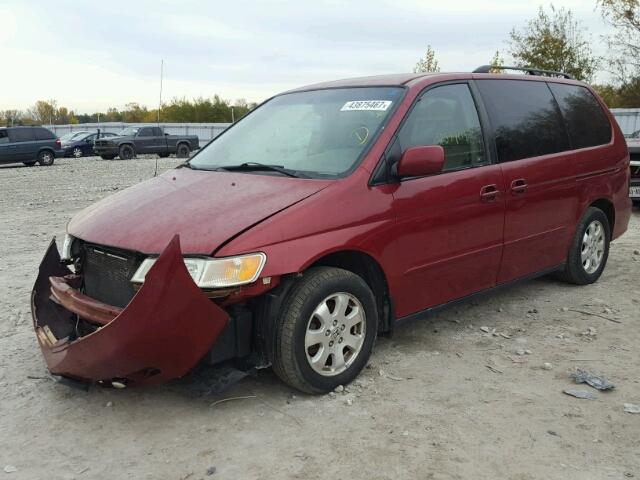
(587,124)
(525,118)
(145,132)
(320,133)
(4,137)
(446,116)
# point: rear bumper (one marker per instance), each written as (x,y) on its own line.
(166,329)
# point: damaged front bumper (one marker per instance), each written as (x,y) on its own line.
(164,331)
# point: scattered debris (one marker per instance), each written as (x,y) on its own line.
(332,395)
(518,359)
(485,329)
(384,374)
(584,312)
(636,252)
(551,432)
(348,401)
(631,408)
(230,399)
(504,335)
(583,394)
(564,309)
(547,366)
(109,404)
(590,332)
(211,470)
(339,389)
(493,369)
(405,433)
(10,469)
(599,383)
(533,310)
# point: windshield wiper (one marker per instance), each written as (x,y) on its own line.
(248,166)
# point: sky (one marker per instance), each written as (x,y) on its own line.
(92,55)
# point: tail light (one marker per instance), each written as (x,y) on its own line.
(58,144)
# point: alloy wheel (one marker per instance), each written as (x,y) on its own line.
(335,334)
(592,250)
(77,153)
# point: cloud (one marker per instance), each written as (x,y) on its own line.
(90,55)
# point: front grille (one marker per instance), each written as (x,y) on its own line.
(107,274)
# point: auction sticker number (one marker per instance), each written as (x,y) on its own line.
(360,105)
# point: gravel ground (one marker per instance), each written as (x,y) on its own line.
(464,395)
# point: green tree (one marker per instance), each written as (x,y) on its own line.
(624,43)
(554,41)
(428,63)
(496,61)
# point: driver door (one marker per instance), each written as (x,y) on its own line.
(450,225)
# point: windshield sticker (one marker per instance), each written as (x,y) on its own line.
(359,105)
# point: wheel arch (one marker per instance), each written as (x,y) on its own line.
(609,210)
(370,270)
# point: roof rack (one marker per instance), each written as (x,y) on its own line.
(528,70)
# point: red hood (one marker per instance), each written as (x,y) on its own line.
(204,208)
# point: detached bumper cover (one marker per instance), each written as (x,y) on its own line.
(162,334)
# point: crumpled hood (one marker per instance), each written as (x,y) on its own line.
(205,208)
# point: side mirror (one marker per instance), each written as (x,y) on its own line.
(421,161)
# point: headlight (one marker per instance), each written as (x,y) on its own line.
(66,248)
(215,272)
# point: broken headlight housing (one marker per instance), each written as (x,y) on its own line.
(215,272)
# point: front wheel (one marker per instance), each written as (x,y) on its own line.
(326,330)
(183,151)
(46,158)
(126,152)
(589,249)
(77,152)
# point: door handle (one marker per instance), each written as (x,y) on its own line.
(489,193)
(518,186)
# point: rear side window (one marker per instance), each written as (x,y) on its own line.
(525,117)
(157,132)
(43,134)
(446,116)
(587,124)
(145,132)
(21,135)
(4,137)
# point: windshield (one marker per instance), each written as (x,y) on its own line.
(320,133)
(72,135)
(129,132)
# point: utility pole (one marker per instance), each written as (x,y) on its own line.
(160,101)
(233,118)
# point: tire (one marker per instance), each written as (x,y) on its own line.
(107,157)
(323,289)
(589,249)
(46,158)
(126,152)
(183,150)
(77,152)
(29,164)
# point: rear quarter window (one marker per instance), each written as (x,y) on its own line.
(525,118)
(43,134)
(21,135)
(586,122)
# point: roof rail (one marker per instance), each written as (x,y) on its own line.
(528,70)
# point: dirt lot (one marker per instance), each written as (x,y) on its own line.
(442,399)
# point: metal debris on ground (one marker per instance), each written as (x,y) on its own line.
(547,366)
(582,376)
(631,408)
(211,470)
(10,469)
(583,394)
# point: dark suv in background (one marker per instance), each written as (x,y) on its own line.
(28,145)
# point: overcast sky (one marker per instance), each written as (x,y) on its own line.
(92,55)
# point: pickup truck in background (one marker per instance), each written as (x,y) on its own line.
(145,140)
(633,143)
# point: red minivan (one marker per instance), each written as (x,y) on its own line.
(327,216)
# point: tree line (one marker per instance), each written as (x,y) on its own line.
(555,40)
(178,110)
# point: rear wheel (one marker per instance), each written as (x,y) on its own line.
(326,330)
(589,249)
(77,152)
(183,151)
(126,152)
(46,158)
